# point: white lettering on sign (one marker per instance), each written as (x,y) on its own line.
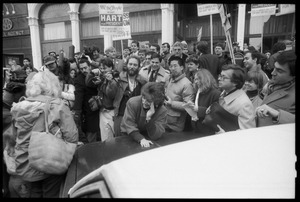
(111,8)
(286,9)
(126,33)
(207,9)
(111,19)
(13,33)
(262,9)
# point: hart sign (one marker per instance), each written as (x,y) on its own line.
(111,19)
(126,34)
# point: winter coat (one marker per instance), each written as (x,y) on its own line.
(123,84)
(239,104)
(163,75)
(284,101)
(24,116)
(82,95)
(134,120)
(180,90)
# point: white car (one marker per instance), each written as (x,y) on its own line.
(252,163)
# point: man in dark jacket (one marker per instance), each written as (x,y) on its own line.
(86,120)
(207,60)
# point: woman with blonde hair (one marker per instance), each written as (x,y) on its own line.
(44,87)
(207,92)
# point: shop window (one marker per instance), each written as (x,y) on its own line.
(54,31)
(145,21)
(90,27)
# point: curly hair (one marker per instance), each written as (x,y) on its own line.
(193,58)
(43,83)
(279,46)
(107,62)
(207,80)
(135,57)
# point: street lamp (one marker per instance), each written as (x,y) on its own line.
(7,10)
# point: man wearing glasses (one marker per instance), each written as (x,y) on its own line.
(233,99)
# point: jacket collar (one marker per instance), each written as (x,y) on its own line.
(232,96)
(178,78)
(123,77)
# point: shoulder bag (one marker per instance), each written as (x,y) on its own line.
(218,115)
(47,152)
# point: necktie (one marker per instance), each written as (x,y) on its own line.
(152,75)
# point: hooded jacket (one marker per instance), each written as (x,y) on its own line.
(25,115)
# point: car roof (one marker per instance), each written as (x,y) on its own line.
(252,163)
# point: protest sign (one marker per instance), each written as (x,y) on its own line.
(111,19)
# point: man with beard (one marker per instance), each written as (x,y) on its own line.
(86,120)
(179,90)
(155,72)
(130,84)
(278,106)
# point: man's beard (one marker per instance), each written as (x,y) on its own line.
(132,72)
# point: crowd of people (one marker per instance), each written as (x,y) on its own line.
(144,93)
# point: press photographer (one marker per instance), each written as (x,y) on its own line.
(106,80)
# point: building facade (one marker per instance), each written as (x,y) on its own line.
(39,28)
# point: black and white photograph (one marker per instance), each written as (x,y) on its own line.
(149,100)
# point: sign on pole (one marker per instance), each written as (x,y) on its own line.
(126,33)
(111,19)
(286,9)
(207,9)
(200,34)
(226,26)
(262,9)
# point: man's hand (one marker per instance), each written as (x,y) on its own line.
(221,129)
(109,76)
(150,112)
(145,143)
(264,111)
(168,101)
(96,71)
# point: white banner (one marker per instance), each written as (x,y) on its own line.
(286,9)
(111,19)
(126,29)
(207,9)
(262,9)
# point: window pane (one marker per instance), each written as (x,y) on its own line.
(54,31)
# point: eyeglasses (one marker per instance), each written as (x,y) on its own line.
(222,77)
